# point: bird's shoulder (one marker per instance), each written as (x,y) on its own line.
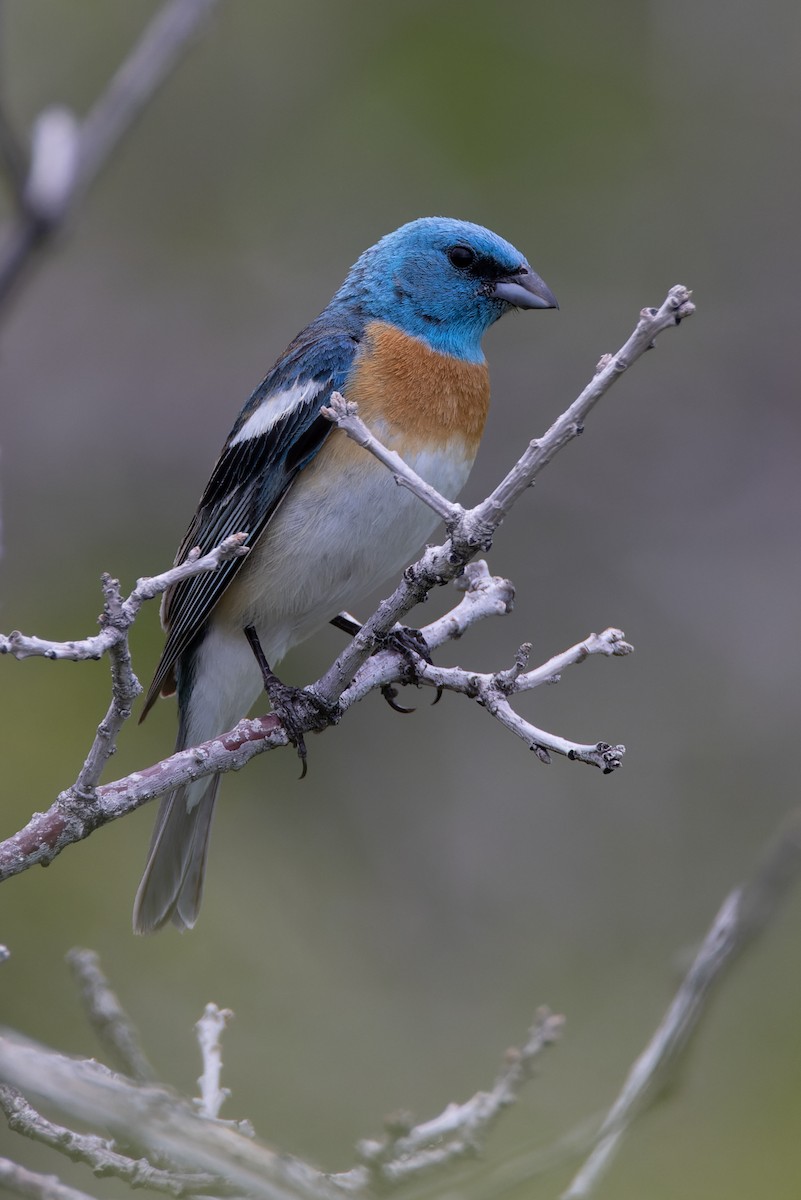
(278,432)
(324,351)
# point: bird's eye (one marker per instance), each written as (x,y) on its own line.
(462,256)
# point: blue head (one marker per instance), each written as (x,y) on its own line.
(444,281)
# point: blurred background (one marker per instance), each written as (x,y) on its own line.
(385,929)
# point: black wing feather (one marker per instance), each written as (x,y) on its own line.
(248,483)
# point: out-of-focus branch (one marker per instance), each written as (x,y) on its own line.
(411,1150)
(159,1122)
(743,915)
(67,154)
(18,1181)
(188,1151)
(100,1154)
(114,1028)
(197,1154)
(209,1030)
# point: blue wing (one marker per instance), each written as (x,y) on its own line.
(251,477)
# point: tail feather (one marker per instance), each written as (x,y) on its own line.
(217,680)
(172,883)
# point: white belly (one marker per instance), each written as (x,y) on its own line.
(337,536)
(334,539)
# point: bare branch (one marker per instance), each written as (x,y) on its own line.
(220,1158)
(203,1154)
(32,1186)
(674,308)
(83,808)
(743,915)
(345,414)
(80,809)
(125,687)
(72,817)
(209,1028)
(110,1021)
(160,1122)
(471,530)
(67,154)
(75,815)
(492,691)
(116,625)
(98,1153)
(459,1130)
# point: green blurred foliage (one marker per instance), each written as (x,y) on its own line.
(386,928)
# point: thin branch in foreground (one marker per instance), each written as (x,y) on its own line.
(743,915)
(209,1029)
(460,1130)
(196,1153)
(99,1154)
(213,1156)
(162,1125)
(32,1186)
(114,1028)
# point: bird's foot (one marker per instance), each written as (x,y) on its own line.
(298,709)
(408,643)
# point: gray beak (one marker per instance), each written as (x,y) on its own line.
(525,290)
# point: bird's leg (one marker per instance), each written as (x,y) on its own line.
(346,623)
(409,643)
(296,708)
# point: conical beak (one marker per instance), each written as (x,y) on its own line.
(525,290)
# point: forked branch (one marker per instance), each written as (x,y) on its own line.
(363,665)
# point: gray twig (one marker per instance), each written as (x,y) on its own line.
(30,1185)
(459,1131)
(203,1154)
(80,810)
(743,915)
(209,1030)
(471,530)
(98,1153)
(114,1028)
(160,1123)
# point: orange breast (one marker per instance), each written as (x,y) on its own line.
(424,397)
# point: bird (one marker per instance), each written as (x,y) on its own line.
(325,523)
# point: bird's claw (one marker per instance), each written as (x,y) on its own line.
(297,709)
(390,694)
(411,645)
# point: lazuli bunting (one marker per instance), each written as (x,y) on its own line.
(325,522)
